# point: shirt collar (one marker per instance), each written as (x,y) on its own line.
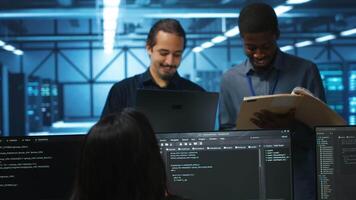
(147,79)
(277,63)
(146,76)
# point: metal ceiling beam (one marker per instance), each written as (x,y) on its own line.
(49,13)
(319,12)
(169,2)
(142,36)
(143,2)
(132,12)
(127,12)
(65,2)
(64,38)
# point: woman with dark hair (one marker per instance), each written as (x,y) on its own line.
(121,160)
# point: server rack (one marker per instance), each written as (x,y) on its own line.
(4,101)
(19,124)
(34,106)
(56,102)
(47,102)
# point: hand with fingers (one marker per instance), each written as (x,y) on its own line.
(270,120)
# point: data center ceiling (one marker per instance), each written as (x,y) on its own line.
(202,18)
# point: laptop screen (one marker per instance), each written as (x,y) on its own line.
(38,167)
(336,162)
(178,111)
(228,165)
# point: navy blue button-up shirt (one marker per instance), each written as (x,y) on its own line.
(123,94)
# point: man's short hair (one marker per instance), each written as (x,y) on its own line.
(166,25)
(257,18)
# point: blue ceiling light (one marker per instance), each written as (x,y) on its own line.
(232,32)
(110,16)
(282,9)
(197,49)
(111,3)
(206,45)
(286,48)
(18,52)
(297,1)
(325,38)
(304,43)
(235,30)
(9,47)
(218,39)
(348,32)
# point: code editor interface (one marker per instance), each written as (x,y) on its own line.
(336,162)
(38,168)
(228,165)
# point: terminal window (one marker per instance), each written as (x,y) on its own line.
(228,165)
(336,162)
(38,167)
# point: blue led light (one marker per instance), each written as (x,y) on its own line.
(352,103)
(352,120)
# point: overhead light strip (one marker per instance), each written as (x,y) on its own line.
(348,32)
(325,38)
(303,43)
(289,2)
(235,30)
(319,39)
(279,11)
(287,48)
(282,9)
(11,48)
(110,18)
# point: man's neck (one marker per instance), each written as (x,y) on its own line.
(160,82)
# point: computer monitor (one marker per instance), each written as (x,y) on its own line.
(38,167)
(336,162)
(228,165)
(178,111)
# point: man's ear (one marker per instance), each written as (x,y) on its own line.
(149,50)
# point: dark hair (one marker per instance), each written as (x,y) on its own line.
(168,26)
(121,160)
(258,17)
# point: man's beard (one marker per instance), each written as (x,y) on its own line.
(168,76)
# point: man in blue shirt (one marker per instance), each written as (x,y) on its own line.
(270,71)
(165,45)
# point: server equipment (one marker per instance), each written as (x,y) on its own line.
(47,102)
(56,92)
(34,106)
(336,162)
(19,120)
(4,101)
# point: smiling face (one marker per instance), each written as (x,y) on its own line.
(260,48)
(165,55)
